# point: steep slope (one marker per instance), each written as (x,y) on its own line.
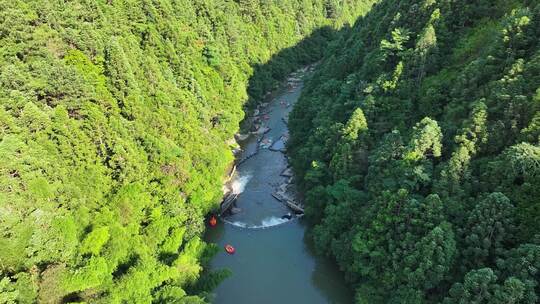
(417,143)
(115,120)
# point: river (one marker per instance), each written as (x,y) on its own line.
(273,263)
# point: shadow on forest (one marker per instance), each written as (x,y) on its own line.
(267,77)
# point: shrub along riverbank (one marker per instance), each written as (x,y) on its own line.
(114,122)
(417,145)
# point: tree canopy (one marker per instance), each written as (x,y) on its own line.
(424,118)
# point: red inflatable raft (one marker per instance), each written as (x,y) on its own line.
(212,221)
(230,249)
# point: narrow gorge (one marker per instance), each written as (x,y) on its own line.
(370,151)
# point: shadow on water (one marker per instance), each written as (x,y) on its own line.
(268,76)
(331,287)
(276,264)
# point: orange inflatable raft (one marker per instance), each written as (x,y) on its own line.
(212,221)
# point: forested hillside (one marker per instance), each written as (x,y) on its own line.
(116,118)
(417,143)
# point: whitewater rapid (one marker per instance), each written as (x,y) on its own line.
(238,185)
(266,223)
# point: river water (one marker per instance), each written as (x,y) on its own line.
(273,262)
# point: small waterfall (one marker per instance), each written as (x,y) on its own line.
(239,183)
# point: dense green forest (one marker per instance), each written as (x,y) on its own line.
(116,120)
(417,145)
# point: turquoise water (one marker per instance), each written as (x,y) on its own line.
(274,264)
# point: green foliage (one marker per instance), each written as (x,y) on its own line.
(356,124)
(488,231)
(95,240)
(7,294)
(448,168)
(425,140)
(89,276)
(480,286)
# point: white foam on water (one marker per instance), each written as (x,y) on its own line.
(239,183)
(266,223)
(237,224)
(273,221)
